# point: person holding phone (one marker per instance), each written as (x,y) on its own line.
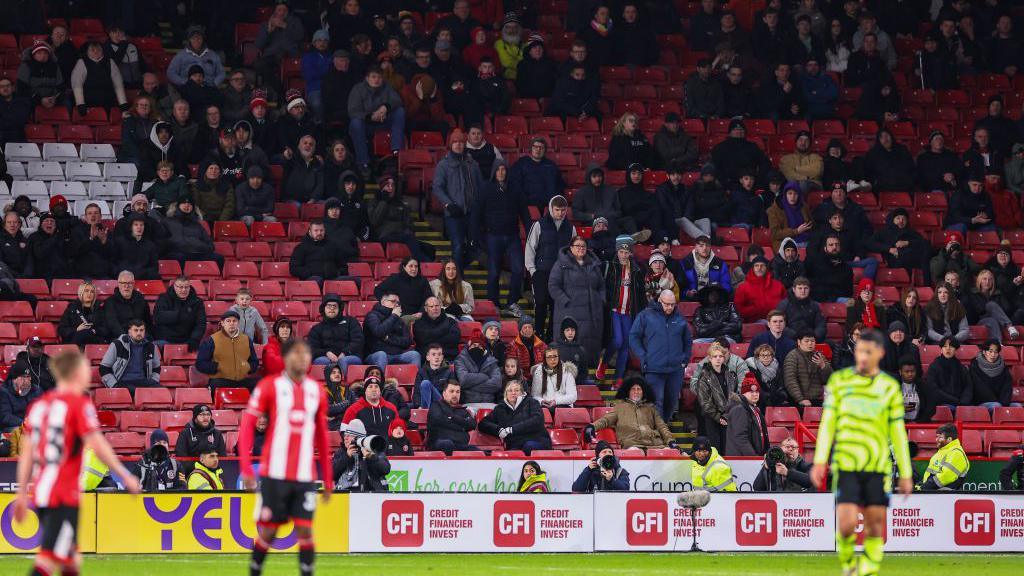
(805,371)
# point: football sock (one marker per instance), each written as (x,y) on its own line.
(307,556)
(259,554)
(873,552)
(844,549)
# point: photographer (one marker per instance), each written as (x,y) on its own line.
(157,469)
(784,470)
(603,473)
(362,465)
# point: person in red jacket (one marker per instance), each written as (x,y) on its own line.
(372,409)
(273,363)
(759,294)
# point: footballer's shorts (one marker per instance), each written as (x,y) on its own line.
(861,488)
(284,500)
(59,526)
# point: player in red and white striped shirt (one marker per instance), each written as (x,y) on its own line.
(296,407)
(59,426)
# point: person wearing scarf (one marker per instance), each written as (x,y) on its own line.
(947,382)
(659,278)
(991,383)
(554,381)
(765,367)
(598,35)
(789,217)
(865,307)
(532,478)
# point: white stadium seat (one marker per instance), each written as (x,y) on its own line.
(97,153)
(22,151)
(34,189)
(81,205)
(119,206)
(47,171)
(59,152)
(84,171)
(16,170)
(69,190)
(107,190)
(120,172)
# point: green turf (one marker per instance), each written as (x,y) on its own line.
(535,564)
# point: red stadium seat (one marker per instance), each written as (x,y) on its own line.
(485,441)
(125,442)
(135,421)
(231,398)
(782,416)
(1005,415)
(305,290)
(226,420)
(588,396)
(46,332)
(153,399)
(268,231)
(178,355)
(576,418)
(972,414)
(405,374)
(17,311)
(173,376)
(113,398)
(564,439)
(174,420)
(228,230)
(202,270)
(186,398)
(241,270)
(274,271)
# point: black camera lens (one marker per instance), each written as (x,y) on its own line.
(608,462)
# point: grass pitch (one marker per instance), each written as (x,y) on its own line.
(533,564)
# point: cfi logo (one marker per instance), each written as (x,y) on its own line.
(756,523)
(514,524)
(646,522)
(401,523)
(975,523)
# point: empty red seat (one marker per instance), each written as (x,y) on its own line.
(153,399)
(202,269)
(266,289)
(240,269)
(255,251)
(405,374)
(108,420)
(486,441)
(112,398)
(231,398)
(371,252)
(178,355)
(785,416)
(577,418)
(17,311)
(186,398)
(226,420)
(136,421)
(588,396)
(306,290)
(174,420)
(125,442)
(288,309)
(972,414)
(1008,415)
(173,376)
(46,332)
(564,438)
(268,231)
(346,289)
(230,230)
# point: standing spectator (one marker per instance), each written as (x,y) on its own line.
(484,152)
(409,285)
(869,25)
(805,372)
(373,105)
(547,237)
(291,126)
(577,287)
(335,86)
(759,294)
(200,435)
(184,129)
(478,373)
(478,49)
(635,418)
(124,305)
(196,52)
(337,338)
(449,422)
(518,420)
(125,55)
(628,145)
(17,393)
(48,247)
(660,339)
(434,326)
(715,382)
(948,382)
(40,78)
(89,249)
(624,287)
(496,221)
(486,93)
(537,73)
(96,81)
(737,95)
(315,64)
(387,336)
(15,113)
(1001,130)
(187,239)
(236,96)
(936,66)
(132,360)
(455,294)
(703,94)
(280,38)
(779,98)
(747,433)
(228,356)
(536,177)
(716,317)
(179,316)
(64,50)
(1014,170)
(249,320)
(457,183)
(81,322)
(389,217)
(315,258)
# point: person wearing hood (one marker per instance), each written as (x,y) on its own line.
(628,146)
(17,393)
(970,208)
(759,293)
(803,166)
(374,105)
(938,168)
(179,316)
(789,217)
(188,240)
(254,198)
(576,95)
(449,422)
(161,147)
(495,224)
(536,73)
(352,208)
(315,258)
(390,218)
(597,478)
(228,356)
(195,53)
(747,434)
(457,184)
(337,338)
(569,348)
(1006,271)
(952,258)
(372,409)
(545,240)
(48,248)
(315,64)
(990,378)
(577,289)
(536,177)
(518,420)
(135,252)
(673,146)
(716,317)
(987,306)
(715,383)
(634,417)
(435,327)
(96,81)
(898,348)
(736,156)
(272,361)
(837,169)
(132,360)
(596,199)
(801,312)
(424,105)
(411,287)
(639,207)
(40,78)
(478,373)
(866,307)
(900,245)
(948,382)
(478,48)
(786,265)
(338,163)
(888,165)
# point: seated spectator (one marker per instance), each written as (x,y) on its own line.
(1001,129)
(281,37)
(124,305)
(830,275)
(990,378)
(198,93)
(938,167)
(254,198)
(252,154)
(272,361)
(208,133)
(635,419)
(716,317)
(575,95)
(987,305)
(188,239)
(303,173)
(390,218)
(206,473)
(486,93)
(81,321)
(236,96)
(335,87)
(900,245)
(953,259)
(518,421)
(703,93)
(703,267)
(339,397)
(227,356)
(96,81)
(455,294)
(536,73)
(337,338)
(789,217)
(355,473)
(434,326)
(778,336)
(448,421)
(527,348)
(747,433)
(714,382)
(736,156)
(765,366)
(509,45)
(162,146)
(291,127)
(747,206)
(195,52)
(673,146)
(1014,171)
(554,381)
(478,48)
(200,435)
(779,98)
(411,288)
(214,197)
(802,312)
(970,209)
(132,360)
(628,145)
(786,265)
(184,129)
(389,391)
(759,294)
(595,477)
(28,215)
(338,165)
(805,371)
(167,188)
(633,41)
(387,336)
(948,382)
(48,248)
(478,373)
(819,90)
(907,310)
(596,199)
(373,105)
(802,165)
(264,132)
(432,377)
(866,307)
(179,316)
(315,258)
(40,79)
(736,92)
(134,252)
(372,409)
(899,348)
(15,112)
(936,67)
(888,165)
(493,342)
(17,393)
(790,475)
(945,316)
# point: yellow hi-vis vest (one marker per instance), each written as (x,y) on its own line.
(715,476)
(948,465)
(201,477)
(93,471)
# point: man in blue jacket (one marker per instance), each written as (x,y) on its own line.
(703,268)
(536,177)
(660,338)
(596,477)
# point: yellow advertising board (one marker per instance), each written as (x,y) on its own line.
(23,537)
(203,522)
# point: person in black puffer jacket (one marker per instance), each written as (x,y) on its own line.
(125,304)
(336,334)
(628,145)
(83,310)
(638,204)
(136,253)
(409,285)
(48,247)
(911,255)
(888,165)
(180,316)
(314,258)
(449,422)
(518,421)
(436,327)
(801,312)
(787,266)
(199,435)
(354,213)
(716,317)
(837,167)
(536,74)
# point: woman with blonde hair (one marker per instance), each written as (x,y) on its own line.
(78,323)
(628,145)
(715,383)
(455,294)
(987,305)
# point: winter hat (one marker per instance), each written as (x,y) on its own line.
(58,200)
(259,98)
(701,443)
(524,320)
(456,135)
(196,69)
(322,34)
(759,260)
(254,172)
(242,125)
(897,326)
(1004,246)
(865,284)
(953,237)
(397,423)
(777,177)
(672,118)
(371,380)
(295,102)
(510,18)
(488,324)
(624,242)
(230,314)
(934,134)
(737,123)
(749,384)
(707,169)
(899,212)
(186,198)
(601,446)
(39,45)
(600,220)
(341,53)
(158,435)
(199,409)
(802,133)
(656,257)
(635,167)
(534,40)
(194,31)
(476,30)
(139,198)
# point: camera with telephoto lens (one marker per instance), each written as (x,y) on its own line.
(375,444)
(608,462)
(775,456)
(157,454)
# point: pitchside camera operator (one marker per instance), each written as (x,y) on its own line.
(157,469)
(362,464)
(604,473)
(784,470)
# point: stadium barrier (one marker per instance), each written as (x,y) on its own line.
(609,521)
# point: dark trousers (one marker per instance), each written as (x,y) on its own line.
(247,383)
(541,302)
(448,446)
(11,295)
(497,248)
(409,239)
(715,432)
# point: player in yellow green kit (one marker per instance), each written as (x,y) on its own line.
(862,420)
